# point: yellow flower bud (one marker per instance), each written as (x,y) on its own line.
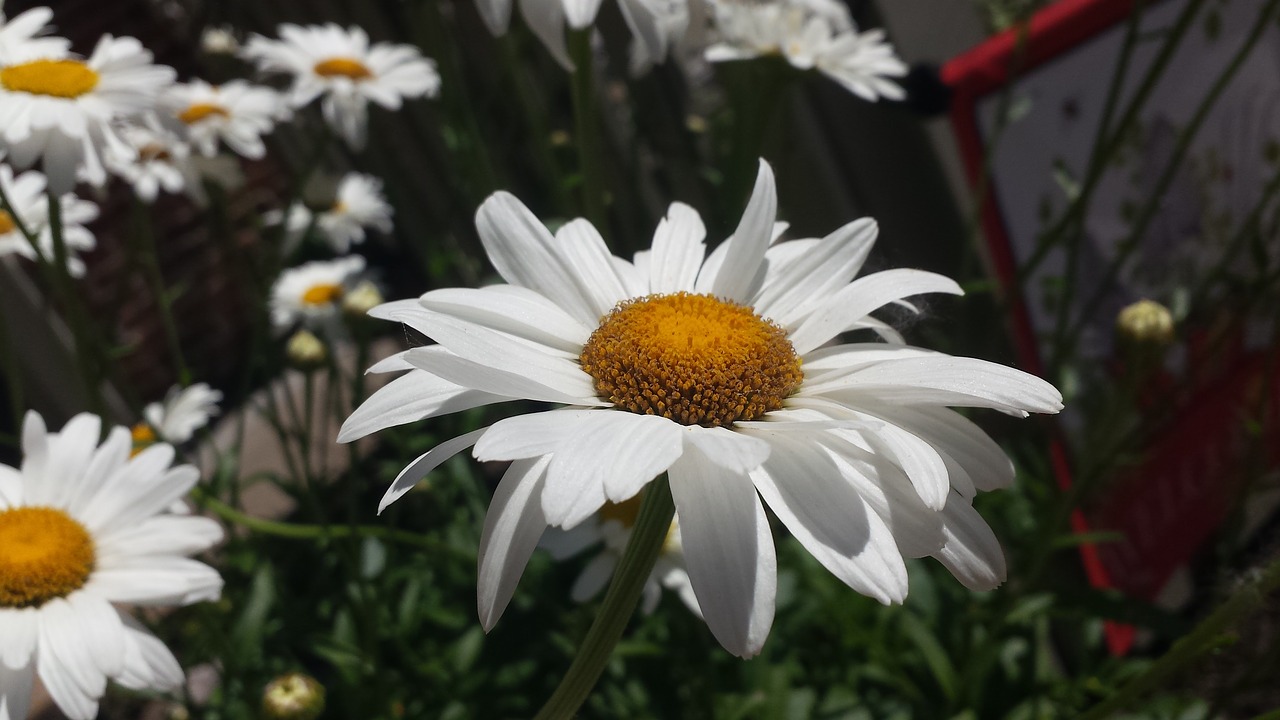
(306,351)
(293,697)
(1146,324)
(358,302)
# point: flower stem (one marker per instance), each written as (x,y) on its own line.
(150,257)
(1204,638)
(619,605)
(586,128)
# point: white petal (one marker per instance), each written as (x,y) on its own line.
(511,531)
(580,13)
(496,15)
(850,356)
(69,454)
(584,250)
(971,552)
(532,434)
(862,296)
(729,551)
(813,276)
(678,250)
(410,398)
(944,380)
(10,486)
(524,253)
(546,20)
(917,458)
(15,691)
(519,311)
(425,463)
(611,455)
(805,489)
(482,377)
(35,449)
(66,670)
(916,528)
(100,632)
(957,437)
(738,276)
(732,451)
(149,665)
(19,628)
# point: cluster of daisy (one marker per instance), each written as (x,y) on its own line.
(809,34)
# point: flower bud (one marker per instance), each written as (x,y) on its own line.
(293,697)
(219,41)
(1146,325)
(306,351)
(358,302)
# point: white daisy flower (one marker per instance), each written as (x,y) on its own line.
(611,528)
(717,369)
(82,528)
(150,159)
(183,412)
(30,204)
(358,203)
(648,20)
(809,37)
(342,66)
(236,113)
(312,292)
(23,36)
(58,110)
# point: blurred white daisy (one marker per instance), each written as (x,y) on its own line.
(312,292)
(649,21)
(717,369)
(24,35)
(30,204)
(82,528)
(810,36)
(358,203)
(610,529)
(176,420)
(236,113)
(58,110)
(341,66)
(152,158)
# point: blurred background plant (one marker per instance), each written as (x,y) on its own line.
(232,268)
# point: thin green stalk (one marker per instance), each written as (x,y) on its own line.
(84,345)
(586,128)
(647,537)
(1065,341)
(9,358)
(296,531)
(150,256)
(1192,646)
(1050,237)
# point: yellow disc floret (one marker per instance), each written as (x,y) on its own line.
(692,358)
(322,294)
(343,67)
(200,111)
(59,78)
(44,554)
(7,225)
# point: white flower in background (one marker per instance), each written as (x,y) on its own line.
(82,528)
(358,203)
(611,528)
(312,292)
(219,41)
(183,412)
(150,159)
(58,110)
(341,66)
(30,203)
(718,369)
(648,20)
(810,36)
(236,113)
(22,35)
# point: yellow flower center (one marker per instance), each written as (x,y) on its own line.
(44,554)
(694,359)
(7,225)
(322,294)
(344,67)
(200,111)
(59,78)
(143,437)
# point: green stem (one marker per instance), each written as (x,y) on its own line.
(83,345)
(586,129)
(297,531)
(151,266)
(647,537)
(1205,637)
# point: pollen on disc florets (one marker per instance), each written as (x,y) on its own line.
(695,359)
(58,78)
(44,554)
